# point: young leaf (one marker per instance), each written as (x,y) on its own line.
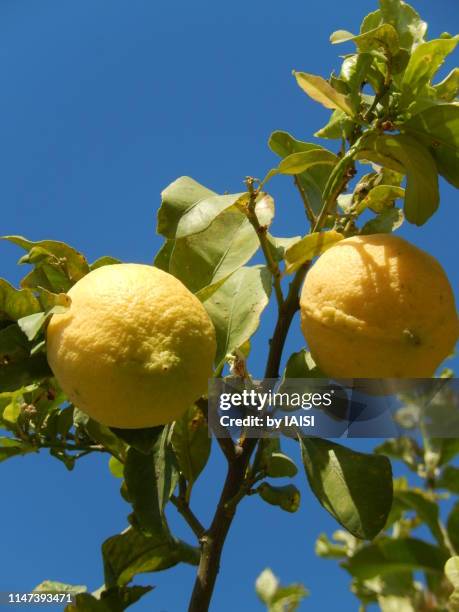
(424,62)
(354,487)
(410,27)
(309,247)
(452,571)
(381,197)
(390,555)
(438,129)
(191,443)
(383,37)
(321,91)
(448,89)
(296,163)
(235,308)
(338,126)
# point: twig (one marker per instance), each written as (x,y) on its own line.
(189,516)
(261,231)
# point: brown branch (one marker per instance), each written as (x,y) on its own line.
(307,206)
(189,516)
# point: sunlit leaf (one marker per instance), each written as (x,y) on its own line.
(15,304)
(312,245)
(382,37)
(321,91)
(236,306)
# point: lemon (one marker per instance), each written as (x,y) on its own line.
(135,349)
(378,307)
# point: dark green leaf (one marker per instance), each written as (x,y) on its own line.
(132,553)
(354,487)
(106,260)
(449,479)
(191,443)
(302,365)
(235,308)
(452,526)
(100,434)
(84,602)
(387,556)
(24,372)
(281,466)
(405,449)
(13,448)
(142,439)
(425,508)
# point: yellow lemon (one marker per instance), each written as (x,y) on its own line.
(135,349)
(378,307)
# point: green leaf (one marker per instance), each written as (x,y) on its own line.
(276,597)
(296,163)
(452,571)
(106,260)
(409,26)
(426,509)
(321,91)
(338,126)
(13,345)
(314,180)
(424,62)
(13,448)
(191,444)
(132,553)
(302,365)
(438,129)
(354,71)
(200,215)
(116,467)
(58,254)
(179,197)
(354,487)
(383,37)
(15,304)
(143,439)
(448,89)
(280,245)
(208,258)
(452,526)
(388,556)
(449,479)
(381,197)
(405,449)
(422,195)
(141,483)
(312,245)
(327,549)
(24,372)
(84,602)
(51,586)
(384,223)
(100,434)
(287,497)
(281,466)
(235,308)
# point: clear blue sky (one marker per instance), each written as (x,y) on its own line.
(103,103)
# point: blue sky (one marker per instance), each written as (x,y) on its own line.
(102,105)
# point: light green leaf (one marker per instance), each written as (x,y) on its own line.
(338,126)
(452,571)
(280,245)
(236,306)
(409,26)
(388,556)
(106,260)
(179,197)
(51,586)
(354,487)
(191,443)
(384,223)
(281,466)
(296,163)
(438,129)
(381,197)
(13,448)
(448,89)
(424,62)
(321,91)
(309,247)
(278,598)
(15,304)
(383,37)
(266,585)
(200,215)
(116,467)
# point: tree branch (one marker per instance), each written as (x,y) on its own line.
(189,516)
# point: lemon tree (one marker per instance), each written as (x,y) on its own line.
(113,358)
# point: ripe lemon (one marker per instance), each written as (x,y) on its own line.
(135,349)
(378,307)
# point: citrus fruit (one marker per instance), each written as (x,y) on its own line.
(135,349)
(378,307)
